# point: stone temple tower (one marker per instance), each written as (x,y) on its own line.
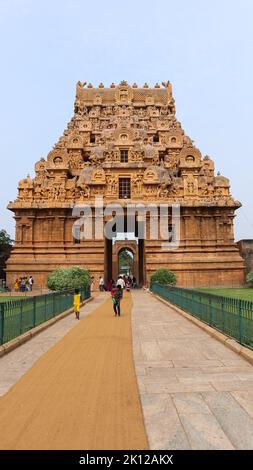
(125,143)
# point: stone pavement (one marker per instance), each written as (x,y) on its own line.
(195,392)
(14,364)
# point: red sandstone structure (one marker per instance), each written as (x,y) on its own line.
(125,143)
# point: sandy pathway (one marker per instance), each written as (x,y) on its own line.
(81,394)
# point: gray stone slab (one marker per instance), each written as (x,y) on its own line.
(203,363)
(209,378)
(245,375)
(245,399)
(189,403)
(230,386)
(162,423)
(204,432)
(173,387)
(150,350)
(237,361)
(234,420)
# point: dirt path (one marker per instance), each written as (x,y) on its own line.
(81,394)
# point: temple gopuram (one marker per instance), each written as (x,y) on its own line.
(125,143)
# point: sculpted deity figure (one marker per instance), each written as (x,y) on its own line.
(114,184)
(134,184)
(190,187)
(162,190)
(85,191)
(38,192)
(62,193)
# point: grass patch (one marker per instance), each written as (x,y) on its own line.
(233,293)
(5,298)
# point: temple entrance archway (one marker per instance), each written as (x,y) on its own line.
(129,241)
(125,260)
(113,253)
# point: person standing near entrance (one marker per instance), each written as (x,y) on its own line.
(101,284)
(30,283)
(110,285)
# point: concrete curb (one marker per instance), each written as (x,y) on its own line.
(226,340)
(16,342)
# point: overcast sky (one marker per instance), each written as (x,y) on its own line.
(203,47)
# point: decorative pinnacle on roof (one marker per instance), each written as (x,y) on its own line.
(125,94)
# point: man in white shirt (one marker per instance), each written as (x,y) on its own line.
(101,284)
(30,283)
(121,283)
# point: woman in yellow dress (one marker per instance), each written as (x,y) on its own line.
(76,303)
(16,285)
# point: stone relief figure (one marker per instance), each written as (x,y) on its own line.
(163,188)
(94,159)
(108,155)
(62,193)
(155,160)
(70,194)
(109,183)
(75,160)
(150,190)
(114,184)
(37,192)
(136,184)
(84,192)
(190,187)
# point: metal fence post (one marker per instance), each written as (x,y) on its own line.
(45,317)
(210,311)
(240,322)
(222,314)
(53,295)
(34,312)
(2,323)
(21,317)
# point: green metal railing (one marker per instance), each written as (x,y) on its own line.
(19,316)
(234,317)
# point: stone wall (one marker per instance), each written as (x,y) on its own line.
(246,251)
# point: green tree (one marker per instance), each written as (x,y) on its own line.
(126,259)
(70,278)
(249,278)
(5,239)
(164,276)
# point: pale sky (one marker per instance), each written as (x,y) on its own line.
(203,47)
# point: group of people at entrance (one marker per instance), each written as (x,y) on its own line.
(116,289)
(129,282)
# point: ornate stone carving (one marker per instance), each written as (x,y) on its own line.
(125,127)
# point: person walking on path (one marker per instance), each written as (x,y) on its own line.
(116,298)
(76,303)
(121,284)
